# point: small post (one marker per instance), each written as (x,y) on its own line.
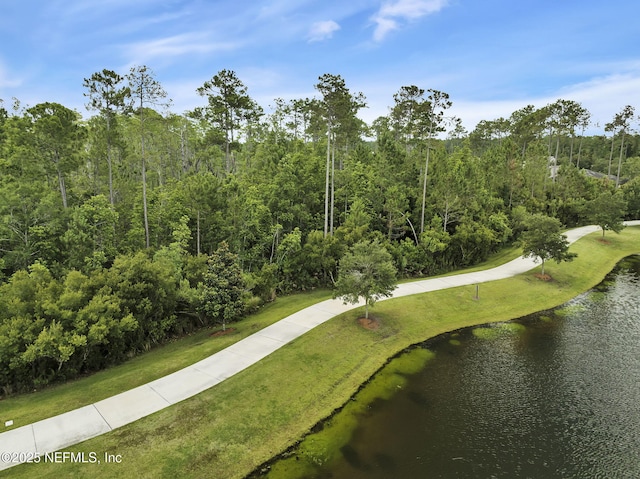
(477,297)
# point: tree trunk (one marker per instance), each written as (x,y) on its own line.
(424,189)
(63,188)
(144,193)
(109,165)
(333,176)
(198,234)
(326,183)
(620,161)
(415,236)
(613,136)
(571,150)
(183,151)
(227,142)
(579,151)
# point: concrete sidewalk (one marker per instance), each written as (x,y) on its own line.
(58,432)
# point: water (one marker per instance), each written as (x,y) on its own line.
(552,395)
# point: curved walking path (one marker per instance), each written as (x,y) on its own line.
(84,423)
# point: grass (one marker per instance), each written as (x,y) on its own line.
(325,446)
(228,430)
(499,330)
(501,257)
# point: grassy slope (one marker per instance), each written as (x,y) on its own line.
(228,430)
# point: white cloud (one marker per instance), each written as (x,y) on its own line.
(393,13)
(385,25)
(323,30)
(603,97)
(176,45)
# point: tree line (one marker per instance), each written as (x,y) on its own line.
(136,224)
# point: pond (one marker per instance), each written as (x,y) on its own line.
(553,395)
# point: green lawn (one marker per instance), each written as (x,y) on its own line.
(228,430)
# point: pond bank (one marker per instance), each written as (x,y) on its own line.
(547,395)
(251,417)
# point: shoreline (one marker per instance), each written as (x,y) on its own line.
(262,469)
(301,451)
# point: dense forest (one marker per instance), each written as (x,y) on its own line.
(134,225)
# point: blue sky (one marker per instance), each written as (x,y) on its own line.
(491,56)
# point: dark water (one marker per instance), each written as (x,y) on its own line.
(553,395)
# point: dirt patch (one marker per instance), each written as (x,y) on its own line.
(603,241)
(369,323)
(215,334)
(543,277)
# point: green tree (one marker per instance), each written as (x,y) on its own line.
(224,289)
(55,134)
(578,117)
(620,124)
(607,210)
(90,237)
(318,259)
(526,126)
(106,328)
(356,225)
(108,97)
(286,257)
(146,91)
(338,109)
(146,289)
(631,191)
(559,122)
(366,271)
(408,101)
(431,122)
(22,216)
(623,121)
(543,239)
(175,255)
(202,198)
(54,343)
(229,106)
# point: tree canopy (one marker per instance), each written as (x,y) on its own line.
(223,289)
(607,210)
(543,239)
(366,271)
(111,223)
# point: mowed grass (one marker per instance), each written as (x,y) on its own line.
(227,431)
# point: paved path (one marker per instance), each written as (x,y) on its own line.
(75,426)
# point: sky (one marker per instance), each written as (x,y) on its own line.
(491,56)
